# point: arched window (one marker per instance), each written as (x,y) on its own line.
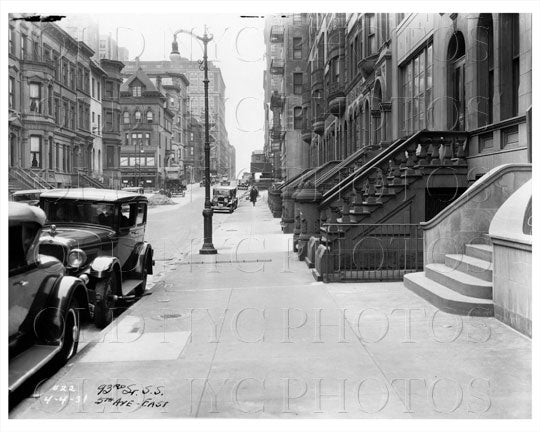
(126,117)
(485,69)
(456,82)
(149,117)
(509,64)
(137,116)
(377,99)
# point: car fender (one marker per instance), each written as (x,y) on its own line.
(102,266)
(65,289)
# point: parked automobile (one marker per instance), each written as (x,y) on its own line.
(243,186)
(225,183)
(135,189)
(224,198)
(99,235)
(30,196)
(45,304)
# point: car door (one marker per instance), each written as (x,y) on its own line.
(25,275)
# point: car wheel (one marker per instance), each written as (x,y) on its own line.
(70,336)
(103,308)
(139,291)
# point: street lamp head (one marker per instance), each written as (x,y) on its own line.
(175,54)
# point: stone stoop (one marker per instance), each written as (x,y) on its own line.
(463,285)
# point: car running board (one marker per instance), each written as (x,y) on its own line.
(29,362)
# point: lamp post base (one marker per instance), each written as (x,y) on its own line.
(208,249)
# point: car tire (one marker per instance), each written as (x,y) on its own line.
(70,335)
(103,308)
(139,291)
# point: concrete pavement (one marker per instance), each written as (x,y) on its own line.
(248,333)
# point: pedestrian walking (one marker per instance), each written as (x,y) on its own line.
(253,194)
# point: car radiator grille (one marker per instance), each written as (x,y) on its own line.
(54,250)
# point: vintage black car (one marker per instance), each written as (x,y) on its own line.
(99,236)
(45,304)
(224,198)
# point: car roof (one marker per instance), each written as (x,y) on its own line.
(20,212)
(29,191)
(94,194)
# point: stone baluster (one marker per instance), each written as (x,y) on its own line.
(423,156)
(460,152)
(435,153)
(345,209)
(370,192)
(396,168)
(411,160)
(447,152)
(382,187)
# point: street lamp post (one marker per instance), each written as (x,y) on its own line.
(207,247)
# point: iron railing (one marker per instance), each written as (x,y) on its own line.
(368,252)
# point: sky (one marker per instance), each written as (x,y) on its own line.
(237,49)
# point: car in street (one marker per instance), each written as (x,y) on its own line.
(224,198)
(136,189)
(30,196)
(98,234)
(243,186)
(46,304)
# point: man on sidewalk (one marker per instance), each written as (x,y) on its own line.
(253,194)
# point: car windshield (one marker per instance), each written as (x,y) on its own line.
(77,211)
(222,192)
(26,197)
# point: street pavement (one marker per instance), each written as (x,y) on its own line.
(248,333)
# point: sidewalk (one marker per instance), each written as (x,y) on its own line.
(248,333)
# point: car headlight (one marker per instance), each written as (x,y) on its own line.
(76,258)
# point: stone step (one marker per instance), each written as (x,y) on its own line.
(473,266)
(458,281)
(481,251)
(446,299)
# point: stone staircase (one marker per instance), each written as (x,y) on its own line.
(88,181)
(387,188)
(462,285)
(20,179)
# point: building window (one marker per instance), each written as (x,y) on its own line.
(126,117)
(136,91)
(99,124)
(417,77)
(93,87)
(11,40)
(86,80)
(110,157)
(297,48)
(370,35)
(72,115)
(99,89)
(35,97)
(51,151)
(147,139)
(149,117)
(57,157)
(456,82)
(298,118)
(109,121)
(297,18)
(11,93)
(57,111)
(109,89)
(509,64)
(298,83)
(485,69)
(136,139)
(35,151)
(23,46)
(137,116)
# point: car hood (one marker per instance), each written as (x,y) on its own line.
(77,237)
